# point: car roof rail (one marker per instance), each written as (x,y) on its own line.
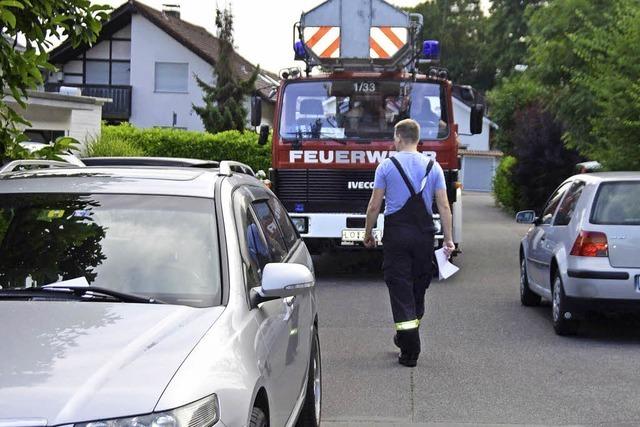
(228,167)
(150,161)
(12,166)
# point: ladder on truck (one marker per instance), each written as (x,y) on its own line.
(357,35)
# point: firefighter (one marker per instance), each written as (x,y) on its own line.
(408,183)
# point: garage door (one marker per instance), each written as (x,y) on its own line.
(477,173)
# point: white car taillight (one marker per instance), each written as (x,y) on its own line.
(591,244)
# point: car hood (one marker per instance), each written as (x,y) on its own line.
(67,362)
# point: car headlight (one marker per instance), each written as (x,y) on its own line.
(301,224)
(202,413)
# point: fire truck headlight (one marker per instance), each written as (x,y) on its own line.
(301,224)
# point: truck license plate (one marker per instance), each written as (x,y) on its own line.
(352,235)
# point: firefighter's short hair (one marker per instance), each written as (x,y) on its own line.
(408,131)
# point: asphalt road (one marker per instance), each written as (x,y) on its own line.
(485,358)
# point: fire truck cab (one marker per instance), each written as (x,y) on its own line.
(333,127)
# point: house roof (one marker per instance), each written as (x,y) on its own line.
(193,37)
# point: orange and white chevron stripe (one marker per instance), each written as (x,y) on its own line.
(323,41)
(385,42)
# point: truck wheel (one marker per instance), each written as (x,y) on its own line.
(312,406)
(258,418)
(527,297)
(563,322)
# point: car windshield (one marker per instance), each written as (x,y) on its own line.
(160,247)
(361,109)
(617,203)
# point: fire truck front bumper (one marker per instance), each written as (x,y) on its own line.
(343,230)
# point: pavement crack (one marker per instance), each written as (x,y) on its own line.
(412,396)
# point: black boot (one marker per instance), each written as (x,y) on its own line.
(409,343)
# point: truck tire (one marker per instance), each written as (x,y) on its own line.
(312,406)
(527,297)
(563,323)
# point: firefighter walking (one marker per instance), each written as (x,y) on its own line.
(408,183)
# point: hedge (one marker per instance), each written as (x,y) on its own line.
(127,140)
(504,187)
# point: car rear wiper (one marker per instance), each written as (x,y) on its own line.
(75,292)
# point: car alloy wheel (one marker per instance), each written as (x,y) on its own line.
(317,379)
(563,321)
(312,406)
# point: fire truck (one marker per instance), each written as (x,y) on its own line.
(366,68)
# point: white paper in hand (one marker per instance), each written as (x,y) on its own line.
(445,268)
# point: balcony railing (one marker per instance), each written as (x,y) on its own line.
(118,109)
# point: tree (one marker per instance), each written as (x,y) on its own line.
(611,56)
(554,62)
(37,22)
(223,101)
(507,34)
(543,160)
(513,94)
(459,25)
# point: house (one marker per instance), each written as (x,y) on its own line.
(479,162)
(52,115)
(146,61)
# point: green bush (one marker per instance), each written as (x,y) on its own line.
(162,142)
(504,189)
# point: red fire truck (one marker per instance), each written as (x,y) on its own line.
(366,68)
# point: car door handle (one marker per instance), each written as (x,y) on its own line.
(290,301)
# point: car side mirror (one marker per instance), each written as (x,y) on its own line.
(256,111)
(477,116)
(282,280)
(264,135)
(526,217)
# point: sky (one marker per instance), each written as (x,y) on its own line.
(262,28)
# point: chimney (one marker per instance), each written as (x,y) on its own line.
(171,10)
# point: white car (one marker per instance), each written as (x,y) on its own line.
(583,251)
(154,296)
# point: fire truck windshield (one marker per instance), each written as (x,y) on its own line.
(361,109)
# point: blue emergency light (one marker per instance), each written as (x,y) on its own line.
(300,51)
(431,49)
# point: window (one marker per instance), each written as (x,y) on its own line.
(120,72)
(569,203)
(257,248)
(172,77)
(617,203)
(552,204)
(269,226)
(97,72)
(289,233)
(348,109)
(162,247)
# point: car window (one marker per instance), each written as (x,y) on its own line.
(617,203)
(259,254)
(161,247)
(552,204)
(569,203)
(269,226)
(286,227)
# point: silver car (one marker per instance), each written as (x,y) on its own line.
(153,296)
(583,251)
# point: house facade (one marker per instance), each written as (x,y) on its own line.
(146,61)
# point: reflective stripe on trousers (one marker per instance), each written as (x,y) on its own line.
(410,324)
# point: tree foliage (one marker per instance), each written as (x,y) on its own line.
(610,75)
(543,160)
(37,22)
(223,101)
(459,25)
